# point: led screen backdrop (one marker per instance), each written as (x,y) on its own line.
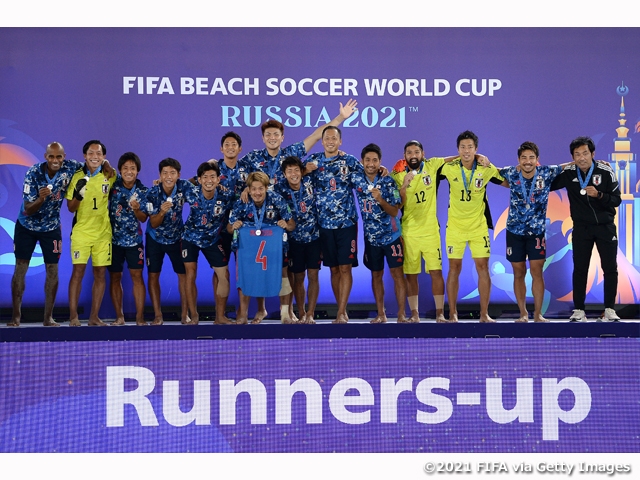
(322,395)
(174,92)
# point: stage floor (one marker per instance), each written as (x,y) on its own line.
(356,328)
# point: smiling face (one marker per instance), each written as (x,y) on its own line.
(230,148)
(528,161)
(413,154)
(331,142)
(371,163)
(209,181)
(467,150)
(257,192)
(94,157)
(129,173)
(293,176)
(583,157)
(272,138)
(168,178)
(54,156)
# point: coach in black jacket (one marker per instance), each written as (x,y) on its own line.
(594,194)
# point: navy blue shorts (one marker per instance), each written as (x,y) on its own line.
(133,255)
(225,240)
(155,256)
(519,247)
(339,246)
(303,256)
(214,254)
(24,243)
(374,256)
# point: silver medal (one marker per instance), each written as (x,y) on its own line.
(415,172)
(583,192)
(528,206)
(50,187)
(258,232)
(369,187)
(169,199)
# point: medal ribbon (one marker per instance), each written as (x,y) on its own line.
(464,177)
(258,214)
(528,195)
(584,184)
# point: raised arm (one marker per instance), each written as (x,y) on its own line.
(345,112)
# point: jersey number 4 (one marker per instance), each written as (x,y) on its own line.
(260,258)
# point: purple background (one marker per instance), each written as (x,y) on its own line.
(54,396)
(557,83)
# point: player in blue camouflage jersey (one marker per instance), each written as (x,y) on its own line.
(124,210)
(208,216)
(380,202)
(331,174)
(264,208)
(529,187)
(163,205)
(45,186)
(304,242)
(269,159)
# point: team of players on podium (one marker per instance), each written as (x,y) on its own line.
(237,203)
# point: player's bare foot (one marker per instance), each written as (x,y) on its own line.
(140,321)
(287,320)
(342,318)
(188,321)
(118,321)
(259,316)
(379,319)
(522,319)
(415,317)
(74,322)
(222,321)
(541,319)
(96,322)
(14,323)
(157,321)
(308,319)
(294,317)
(242,321)
(486,319)
(453,318)
(440,318)
(50,323)
(402,318)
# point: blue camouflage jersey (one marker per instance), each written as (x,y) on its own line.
(170,230)
(302,204)
(207,217)
(261,161)
(47,218)
(125,227)
(233,179)
(273,209)
(380,228)
(532,220)
(333,188)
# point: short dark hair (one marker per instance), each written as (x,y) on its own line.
(413,142)
(208,166)
(169,162)
(129,157)
(292,161)
(580,141)
(332,127)
(272,124)
(372,147)
(528,146)
(232,135)
(467,135)
(94,142)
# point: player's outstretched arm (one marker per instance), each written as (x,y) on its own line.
(345,112)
